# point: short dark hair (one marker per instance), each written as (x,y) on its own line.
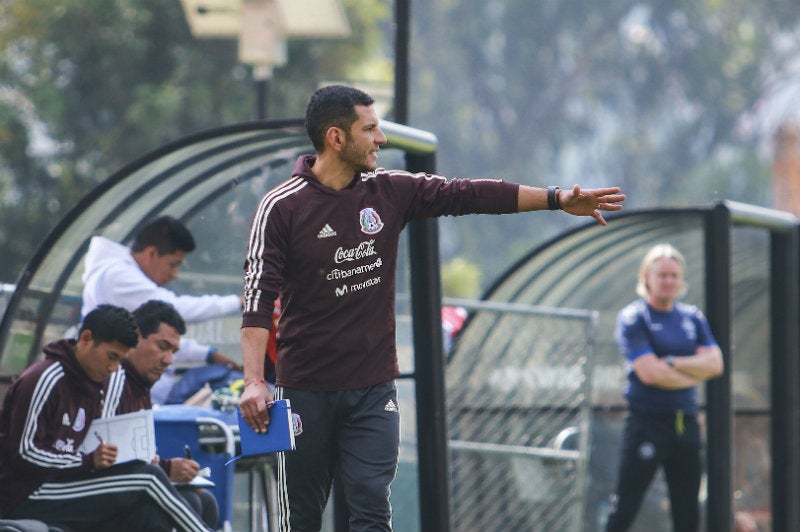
(166,233)
(111,324)
(151,314)
(333,106)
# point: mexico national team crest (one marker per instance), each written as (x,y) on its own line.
(370,221)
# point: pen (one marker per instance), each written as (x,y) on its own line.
(187,451)
(96,435)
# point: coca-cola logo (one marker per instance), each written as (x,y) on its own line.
(364,249)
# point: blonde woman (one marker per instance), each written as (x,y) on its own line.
(669,349)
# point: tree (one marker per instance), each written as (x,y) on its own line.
(460,278)
(653,96)
(87,86)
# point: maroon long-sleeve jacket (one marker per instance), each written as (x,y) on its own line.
(46,415)
(332,255)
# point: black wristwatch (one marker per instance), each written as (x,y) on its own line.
(553,201)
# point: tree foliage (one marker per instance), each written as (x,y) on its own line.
(662,98)
(87,86)
(652,96)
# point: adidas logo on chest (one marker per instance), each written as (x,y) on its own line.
(326,232)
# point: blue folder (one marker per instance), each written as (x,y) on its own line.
(279,435)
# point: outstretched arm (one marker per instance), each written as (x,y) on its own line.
(217,357)
(578,202)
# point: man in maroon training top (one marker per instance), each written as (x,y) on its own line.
(128,390)
(326,242)
(47,413)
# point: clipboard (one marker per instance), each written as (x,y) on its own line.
(198,481)
(133,434)
(279,436)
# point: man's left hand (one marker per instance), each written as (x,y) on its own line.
(591,201)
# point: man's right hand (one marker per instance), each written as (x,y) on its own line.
(253,404)
(183,470)
(104,455)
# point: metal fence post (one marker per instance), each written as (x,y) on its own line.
(784,374)
(719,517)
(434,490)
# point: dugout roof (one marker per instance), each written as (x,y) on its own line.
(211,180)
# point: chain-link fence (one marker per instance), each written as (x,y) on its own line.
(519,418)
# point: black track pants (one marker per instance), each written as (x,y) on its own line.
(131,497)
(356,432)
(670,441)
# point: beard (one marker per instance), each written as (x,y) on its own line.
(358,160)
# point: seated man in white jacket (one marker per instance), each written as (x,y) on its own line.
(127,277)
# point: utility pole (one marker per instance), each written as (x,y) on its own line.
(262,28)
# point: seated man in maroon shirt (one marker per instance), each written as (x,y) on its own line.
(46,416)
(161,327)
